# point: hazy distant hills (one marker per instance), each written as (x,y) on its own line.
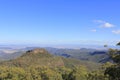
(84,54)
(9,53)
(81,54)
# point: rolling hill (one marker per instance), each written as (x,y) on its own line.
(41,57)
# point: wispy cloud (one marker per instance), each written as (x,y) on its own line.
(99,21)
(116,31)
(104,24)
(93,30)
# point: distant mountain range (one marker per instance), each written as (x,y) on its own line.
(99,56)
(85,54)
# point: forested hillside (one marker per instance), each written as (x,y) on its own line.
(39,64)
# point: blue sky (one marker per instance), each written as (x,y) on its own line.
(59,21)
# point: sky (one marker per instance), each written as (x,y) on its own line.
(59,22)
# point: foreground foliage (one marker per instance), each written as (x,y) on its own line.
(42,73)
(109,71)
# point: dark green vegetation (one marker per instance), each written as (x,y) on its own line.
(42,73)
(39,64)
(109,71)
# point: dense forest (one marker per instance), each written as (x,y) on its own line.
(38,64)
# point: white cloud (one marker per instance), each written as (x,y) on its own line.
(104,24)
(107,25)
(93,30)
(116,31)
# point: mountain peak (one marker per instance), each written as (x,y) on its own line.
(38,51)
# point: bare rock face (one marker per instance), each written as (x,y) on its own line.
(37,51)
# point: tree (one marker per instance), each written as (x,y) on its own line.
(118,44)
(114,70)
